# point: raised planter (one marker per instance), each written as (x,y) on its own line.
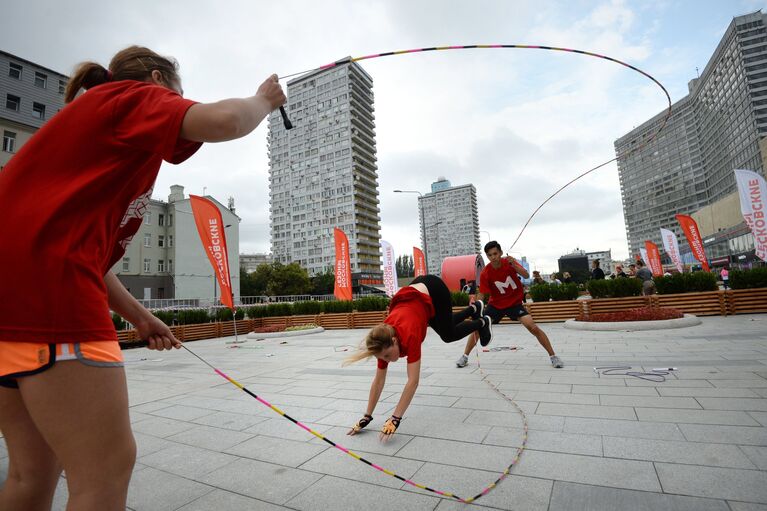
(710,303)
(633,326)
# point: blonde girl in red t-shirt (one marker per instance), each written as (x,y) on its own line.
(63,393)
(425,302)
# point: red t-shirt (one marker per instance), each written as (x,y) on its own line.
(502,284)
(72,198)
(409,313)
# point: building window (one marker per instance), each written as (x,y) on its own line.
(62,86)
(161,266)
(12,102)
(41,80)
(161,220)
(147,265)
(9,141)
(147,239)
(170,240)
(160,241)
(38,110)
(15,71)
(148,218)
(170,265)
(126,263)
(170,220)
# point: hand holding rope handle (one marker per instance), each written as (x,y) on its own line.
(364,421)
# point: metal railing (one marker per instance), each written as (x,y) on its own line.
(208,303)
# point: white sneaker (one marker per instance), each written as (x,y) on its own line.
(462,362)
(556,362)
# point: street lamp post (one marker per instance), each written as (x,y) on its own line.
(423,228)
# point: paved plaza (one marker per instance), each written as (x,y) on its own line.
(695,442)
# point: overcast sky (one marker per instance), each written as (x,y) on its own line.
(515,123)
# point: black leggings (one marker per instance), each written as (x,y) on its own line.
(450,327)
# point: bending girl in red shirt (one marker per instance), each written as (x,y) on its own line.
(77,191)
(425,302)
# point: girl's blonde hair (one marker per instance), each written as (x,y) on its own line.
(132,63)
(378,339)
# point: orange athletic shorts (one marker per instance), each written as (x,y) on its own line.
(19,359)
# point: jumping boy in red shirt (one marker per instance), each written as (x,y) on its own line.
(500,280)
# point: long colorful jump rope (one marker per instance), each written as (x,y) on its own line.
(356,456)
(288,125)
(639,147)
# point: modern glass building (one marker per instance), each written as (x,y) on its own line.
(323,173)
(714,129)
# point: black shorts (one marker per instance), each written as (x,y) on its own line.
(513,313)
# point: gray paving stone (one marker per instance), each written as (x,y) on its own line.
(426,400)
(461,454)
(514,492)
(496,404)
(225,501)
(182,413)
(150,407)
(277,450)
(623,428)
(339,464)
(615,390)
(207,437)
(742,435)
(334,493)
(557,397)
(707,392)
(581,497)
(508,419)
(740,384)
(758,455)
(721,403)
(728,418)
(154,490)
(162,427)
(650,402)
(282,428)
(746,506)
(437,413)
(538,387)
(628,474)
(593,411)
(228,420)
(718,483)
(263,481)
(148,444)
(187,461)
(674,451)
(546,441)
(761,417)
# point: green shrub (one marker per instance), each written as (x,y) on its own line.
(310,307)
(256,311)
(701,281)
(193,316)
(337,306)
(164,316)
(748,279)
(225,314)
(599,288)
(621,287)
(279,309)
(540,292)
(119,322)
(562,292)
(459,299)
(371,303)
(685,283)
